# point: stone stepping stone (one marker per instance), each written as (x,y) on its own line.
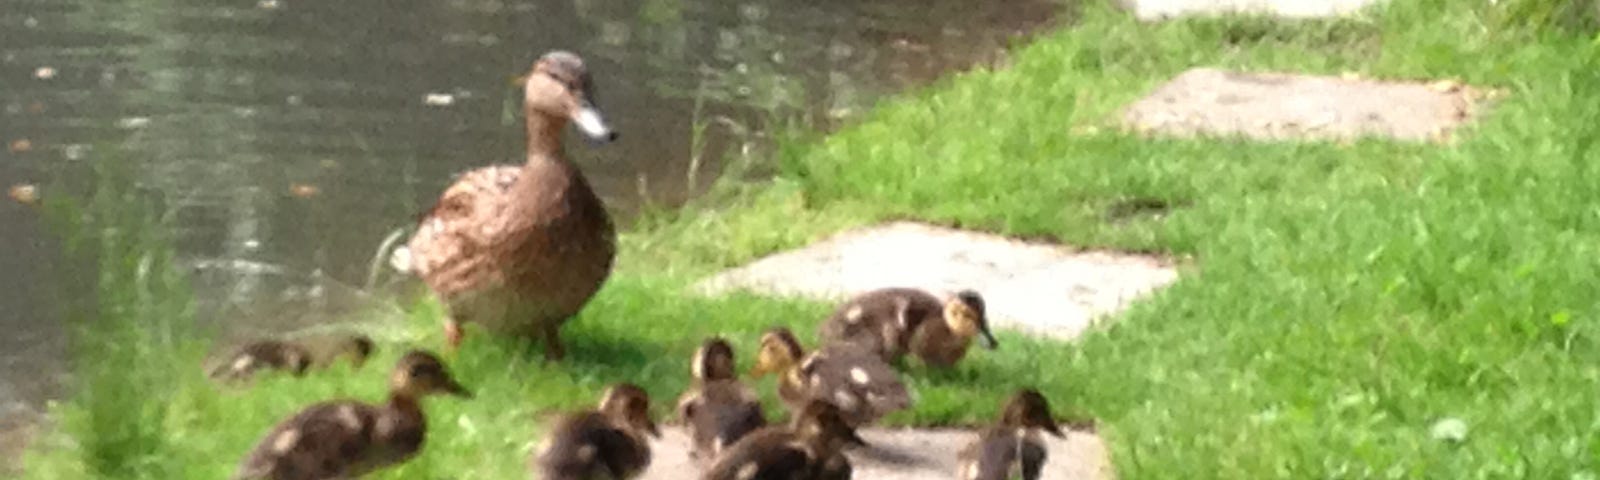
(1154,10)
(1034,287)
(1278,106)
(905,454)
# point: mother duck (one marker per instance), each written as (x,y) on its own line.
(520,249)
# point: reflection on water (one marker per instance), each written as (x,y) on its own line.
(294,134)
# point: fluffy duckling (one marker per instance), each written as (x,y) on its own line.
(349,438)
(894,321)
(717,409)
(295,357)
(1012,446)
(606,443)
(811,448)
(855,380)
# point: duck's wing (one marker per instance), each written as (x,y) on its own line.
(737,411)
(989,457)
(460,227)
(326,440)
(767,454)
(860,383)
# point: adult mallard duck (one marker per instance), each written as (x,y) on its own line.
(1012,446)
(717,409)
(895,321)
(858,382)
(810,448)
(606,443)
(520,249)
(348,438)
(293,356)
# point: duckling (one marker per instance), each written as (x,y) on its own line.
(607,443)
(943,343)
(295,357)
(855,380)
(811,448)
(894,321)
(349,438)
(1011,446)
(520,249)
(717,408)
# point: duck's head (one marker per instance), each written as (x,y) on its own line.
(420,373)
(559,87)
(628,405)
(713,360)
(965,315)
(1028,409)
(822,421)
(358,348)
(780,350)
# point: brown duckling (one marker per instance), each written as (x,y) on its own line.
(605,443)
(717,409)
(520,249)
(1012,446)
(855,380)
(295,357)
(349,438)
(894,321)
(811,448)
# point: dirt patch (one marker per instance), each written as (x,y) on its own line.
(1276,106)
(908,454)
(1036,287)
(1150,10)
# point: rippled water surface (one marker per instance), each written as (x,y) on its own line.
(290,136)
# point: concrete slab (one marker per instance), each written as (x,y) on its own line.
(1035,287)
(906,454)
(1155,10)
(1276,106)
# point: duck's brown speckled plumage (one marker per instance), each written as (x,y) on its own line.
(809,448)
(608,443)
(717,409)
(1012,446)
(521,249)
(345,439)
(858,382)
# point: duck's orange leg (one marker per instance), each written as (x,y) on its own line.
(452,334)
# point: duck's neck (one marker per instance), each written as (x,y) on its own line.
(406,404)
(544,136)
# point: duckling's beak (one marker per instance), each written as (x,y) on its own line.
(1054,430)
(651,427)
(456,389)
(852,438)
(593,125)
(987,340)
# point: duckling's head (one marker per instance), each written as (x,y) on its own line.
(1028,409)
(628,405)
(780,350)
(713,361)
(420,373)
(559,87)
(965,315)
(822,421)
(358,348)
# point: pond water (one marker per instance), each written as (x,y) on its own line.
(291,136)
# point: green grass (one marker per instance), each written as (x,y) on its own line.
(1341,298)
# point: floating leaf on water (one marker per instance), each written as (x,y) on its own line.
(44,73)
(36,107)
(20,145)
(269,4)
(1449,429)
(304,190)
(24,193)
(133,122)
(439,99)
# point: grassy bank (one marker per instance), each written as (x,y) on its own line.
(1345,296)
